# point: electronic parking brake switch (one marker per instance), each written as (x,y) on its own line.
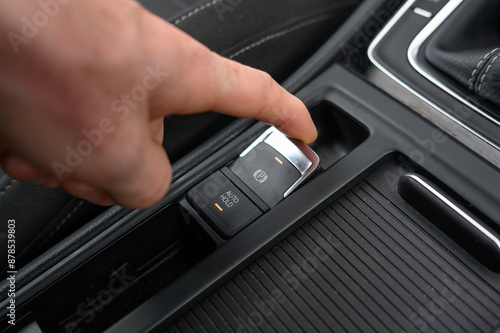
(266,172)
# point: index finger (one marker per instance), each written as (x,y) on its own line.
(201,80)
(247,92)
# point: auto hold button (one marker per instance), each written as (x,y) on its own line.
(223,204)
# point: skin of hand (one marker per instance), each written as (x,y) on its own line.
(82,100)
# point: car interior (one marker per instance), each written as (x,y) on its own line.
(388,222)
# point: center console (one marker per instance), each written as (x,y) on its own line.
(397,229)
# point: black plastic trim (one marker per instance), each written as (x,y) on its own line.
(393,130)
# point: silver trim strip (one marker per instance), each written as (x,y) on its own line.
(422,12)
(456,209)
(420,39)
(371,56)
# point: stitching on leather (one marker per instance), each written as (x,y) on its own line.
(7,187)
(476,70)
(196,11)
(64,220)
(275,35)
(486,72)
(310,65)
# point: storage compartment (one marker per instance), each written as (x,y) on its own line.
(366,262)
(338,133)
(108,286)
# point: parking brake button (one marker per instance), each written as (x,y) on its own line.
(266,172)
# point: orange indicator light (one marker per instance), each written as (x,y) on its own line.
(217,205)
(277,159)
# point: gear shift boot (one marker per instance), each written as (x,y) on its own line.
(467,48)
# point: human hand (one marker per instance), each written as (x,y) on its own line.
(82,102)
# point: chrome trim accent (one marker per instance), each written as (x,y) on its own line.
(371,56)
(300,155)
(456,209)
(313,158)
(291,152)
(422,12)
(420,40)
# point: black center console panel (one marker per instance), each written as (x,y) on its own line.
(365,259)
(398,230)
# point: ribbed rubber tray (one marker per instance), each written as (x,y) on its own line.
(364,264)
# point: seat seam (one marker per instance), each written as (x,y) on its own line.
(486,72)
(195,11)
(276,35)
(476,69)
(7,186)
(63,221)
